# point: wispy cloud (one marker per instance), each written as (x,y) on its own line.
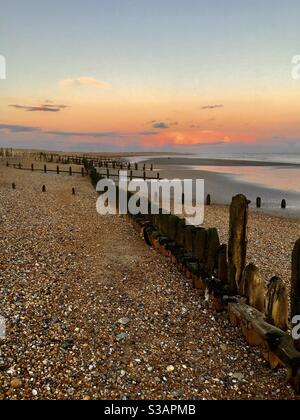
(40,108)
(148,133)
(213,106)
(85,81)
(18,128)
(161,125)
(85,133)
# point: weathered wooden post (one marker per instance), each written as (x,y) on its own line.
(13,186)
(200,245)
(57,170)
(208,200)
(131,175)
(222,265)
(283,204)
(82,172)
(45,169)
(70,170)
(73,191)
(253,288)
(213,243)
(258,203)
(295,284)
(107,173)
(145,176)
(136,166)
(158,177)
(44,189)
(32,167)
(237,245)
(277,304)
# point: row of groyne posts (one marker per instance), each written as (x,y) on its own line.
(110,168)
(221,271)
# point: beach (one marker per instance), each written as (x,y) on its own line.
(224,178)
(93,313)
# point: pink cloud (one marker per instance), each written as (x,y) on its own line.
(85,81)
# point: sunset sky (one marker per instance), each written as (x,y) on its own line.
(150,75)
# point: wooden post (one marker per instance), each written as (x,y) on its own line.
(107,173)
(136,166)
(57,170)
(44,188)
(151,167)
(32,167)
(158,177)
(131,175)
(200,244)
(258,203)
(82,172)
(222,266)
(277,304)
(20,166)
(283,204)
(70,170)
(13,186)
(237,245)
(253,288)
(213,243)
(208,200)
(295,284)
(144,176)
(45,169)
(73,191)
(7,164)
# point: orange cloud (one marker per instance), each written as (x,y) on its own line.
(85,81)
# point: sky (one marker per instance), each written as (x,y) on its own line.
(170,75)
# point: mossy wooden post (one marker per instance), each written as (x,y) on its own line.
(200,244)
(222,266)
(295,286)
(189,238)
(180,234)
(213,243)
(253,288)
(277,304)
(172,226)
(237,245)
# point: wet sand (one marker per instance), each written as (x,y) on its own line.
(222,186)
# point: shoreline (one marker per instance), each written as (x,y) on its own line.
(223,186)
